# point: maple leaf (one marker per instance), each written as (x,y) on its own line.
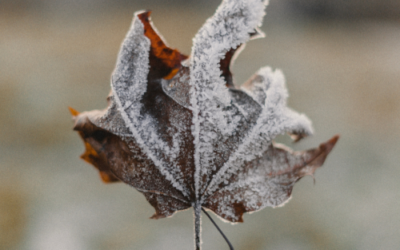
(179,131)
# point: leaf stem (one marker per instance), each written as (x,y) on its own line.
(215,224)
(197,225)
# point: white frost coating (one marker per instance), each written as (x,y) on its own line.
(129,83)
(275,119)
(268,183)
(230,26)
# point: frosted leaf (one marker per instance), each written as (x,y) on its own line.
(217,123)
(154,127)
(129,83)
(265,181)
(274,119)
(178,130)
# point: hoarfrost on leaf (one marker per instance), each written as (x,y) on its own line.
(179,131)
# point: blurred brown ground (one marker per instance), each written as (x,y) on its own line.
(342,70)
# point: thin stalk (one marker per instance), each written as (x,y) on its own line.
(215,224)
(197,225)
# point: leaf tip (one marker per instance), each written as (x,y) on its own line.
(143,15)
(73,112)
(157,216)
(328,146)
(108,177)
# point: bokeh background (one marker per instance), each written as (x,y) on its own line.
(342,64)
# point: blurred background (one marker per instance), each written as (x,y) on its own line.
(342,64)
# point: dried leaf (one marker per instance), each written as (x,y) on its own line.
(179,131)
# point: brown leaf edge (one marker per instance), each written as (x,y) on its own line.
(85,130)
(316,160)
(164,61)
